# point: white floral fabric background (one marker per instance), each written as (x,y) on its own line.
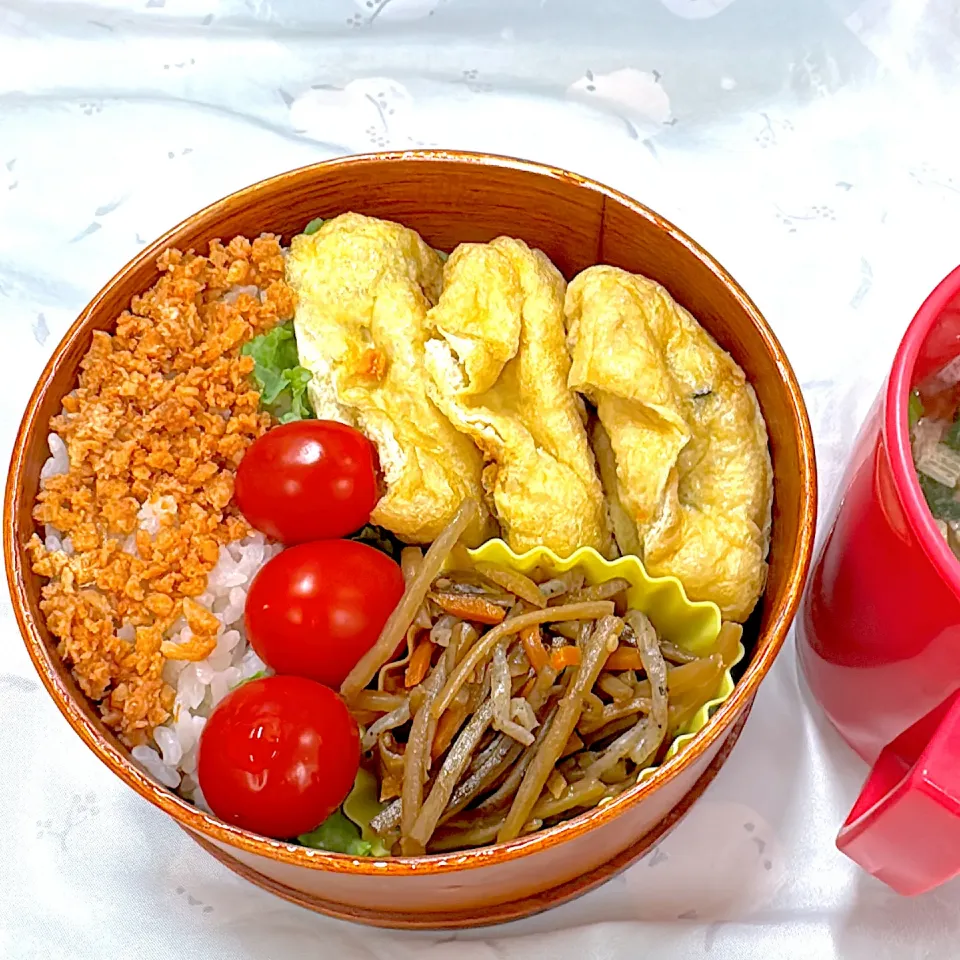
(811,145)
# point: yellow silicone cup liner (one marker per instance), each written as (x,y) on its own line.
(690,624)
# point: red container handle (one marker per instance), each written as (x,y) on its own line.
(911,802)
(880,630)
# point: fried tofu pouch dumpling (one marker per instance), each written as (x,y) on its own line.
(682,439)
(498,365)
(364,287)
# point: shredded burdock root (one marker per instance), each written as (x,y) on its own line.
(164,408)
(601,643)
(403,616)
(505,702)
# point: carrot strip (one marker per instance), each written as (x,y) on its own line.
(568,656)
(419,664)
(468,607)
(447,726)
(533,647)
(624,658)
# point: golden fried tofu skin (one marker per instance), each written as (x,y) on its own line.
(682,445)
(498,366)
(363,288)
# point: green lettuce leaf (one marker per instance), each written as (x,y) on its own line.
(253,676)
(348,829)
(361,806)
(380,539)
(277,371)
(338,835)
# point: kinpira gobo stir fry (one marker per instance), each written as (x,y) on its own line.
(259,501)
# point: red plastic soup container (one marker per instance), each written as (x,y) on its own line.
(879,631)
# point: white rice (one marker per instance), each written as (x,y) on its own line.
(202,685)
(234,293)
(59,461)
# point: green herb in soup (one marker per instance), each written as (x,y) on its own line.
(934,417)
(914,409)
(940,498)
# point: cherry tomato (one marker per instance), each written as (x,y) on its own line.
(278,755)
(308,480)
(315,609)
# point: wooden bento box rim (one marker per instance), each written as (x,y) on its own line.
(106,306)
